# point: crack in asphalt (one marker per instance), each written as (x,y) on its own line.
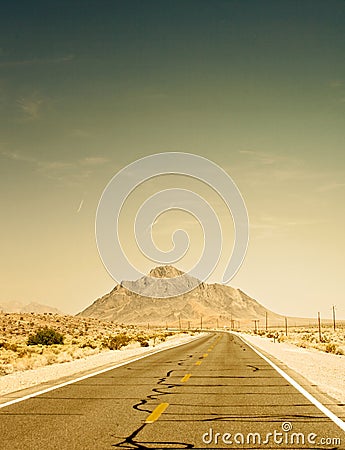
(164,386)
(129,441)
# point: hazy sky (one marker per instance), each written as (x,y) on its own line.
(86,87)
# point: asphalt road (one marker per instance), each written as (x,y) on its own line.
(178,398)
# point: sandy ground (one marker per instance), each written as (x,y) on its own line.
(22,380)
(325,370)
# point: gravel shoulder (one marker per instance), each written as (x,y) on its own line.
(33,377)
(325,370)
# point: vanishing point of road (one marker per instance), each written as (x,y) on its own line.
(214,392)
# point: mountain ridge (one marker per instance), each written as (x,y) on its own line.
(31,307)
(209,303)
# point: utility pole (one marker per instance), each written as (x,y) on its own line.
(201,323)
(231,321)
(148,326)
(188,325)
(286,326)
(217,324)
(319,321)
(333,309)
(266,321)
(256,325)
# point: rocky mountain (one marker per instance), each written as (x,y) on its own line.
(210,303)
(162,282)
(19,307)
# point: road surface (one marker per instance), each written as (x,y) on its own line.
(214,392)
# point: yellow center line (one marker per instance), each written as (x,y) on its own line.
(157,412)
(186,377)
(198,363)
(205,355)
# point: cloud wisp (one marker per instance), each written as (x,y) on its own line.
(93,161)
(31,106)
(331,187)
(268,226)
(36,61)
(260,168)
(261,157)
(62,171)
(336,83)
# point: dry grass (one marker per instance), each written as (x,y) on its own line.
(82,337)
(308,337)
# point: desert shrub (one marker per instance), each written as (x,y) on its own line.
(117,341)
(331,348)
(9,346)
(87,344)
(142,341)
(46,336)
(23,352)
(306,337)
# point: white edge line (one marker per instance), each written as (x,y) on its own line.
(296,385)
(84,377)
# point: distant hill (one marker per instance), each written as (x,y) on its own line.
(210,303)
(19,307)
